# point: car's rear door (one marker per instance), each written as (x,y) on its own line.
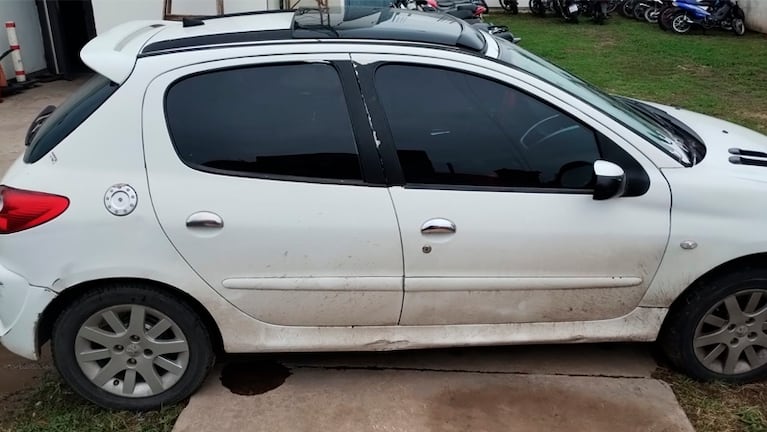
(492,183)
(261,176)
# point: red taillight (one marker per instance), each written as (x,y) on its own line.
(480,10)
(21,209)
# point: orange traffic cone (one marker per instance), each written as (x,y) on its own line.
(3,83)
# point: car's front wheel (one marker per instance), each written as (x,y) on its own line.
(718,331)
(130,346)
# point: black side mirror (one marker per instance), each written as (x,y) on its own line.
(611,180)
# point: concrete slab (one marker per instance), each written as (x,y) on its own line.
(385,400)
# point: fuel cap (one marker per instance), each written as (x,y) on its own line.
(120,199)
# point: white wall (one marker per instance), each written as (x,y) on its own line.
(756,14)
(109,13)
(24,13)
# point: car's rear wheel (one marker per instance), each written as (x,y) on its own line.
(129,346)
(718,331)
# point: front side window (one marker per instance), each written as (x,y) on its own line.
(266,121)
(662,133)
(454,128)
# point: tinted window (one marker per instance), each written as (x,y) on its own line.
(285,120)
(453,128)
(68,116)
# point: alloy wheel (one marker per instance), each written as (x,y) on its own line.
(132,351)
(731,338)
(680,24)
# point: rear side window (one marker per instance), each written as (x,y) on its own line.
(68,116)
(280,121)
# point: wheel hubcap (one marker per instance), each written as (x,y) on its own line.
(731,338)
(132,351)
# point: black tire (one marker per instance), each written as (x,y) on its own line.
(679,330)
(627,9)
(679,24)
(200,350)
(537,8)
(639,10)
(664,19)
(738,27)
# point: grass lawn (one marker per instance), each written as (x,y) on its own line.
(715,73)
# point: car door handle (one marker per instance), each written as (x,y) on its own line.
(438,226)
(204,220)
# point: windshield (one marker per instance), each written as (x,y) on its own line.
(659,133)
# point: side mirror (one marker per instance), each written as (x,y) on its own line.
(611,180)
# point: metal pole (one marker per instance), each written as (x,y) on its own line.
(18,66)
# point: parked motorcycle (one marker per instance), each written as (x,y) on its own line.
(652,13)
(570,10)
(724,14)
(627,8)
(470,11)
(600,10)
(510,6)
(666,15)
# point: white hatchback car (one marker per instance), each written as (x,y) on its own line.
(369,180)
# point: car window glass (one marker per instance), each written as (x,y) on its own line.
(454,128)
(277,120)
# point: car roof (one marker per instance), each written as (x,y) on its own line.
(114,53)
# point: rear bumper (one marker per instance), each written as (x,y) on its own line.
(21,306)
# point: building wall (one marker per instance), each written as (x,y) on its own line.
(756,14)
(109,13)
(24,13)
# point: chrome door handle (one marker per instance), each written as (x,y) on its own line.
(438,226)
(204,220)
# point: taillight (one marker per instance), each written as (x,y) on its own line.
(22,209)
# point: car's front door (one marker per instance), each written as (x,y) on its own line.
(258,176)
(493,192)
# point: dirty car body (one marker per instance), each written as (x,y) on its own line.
(376,180)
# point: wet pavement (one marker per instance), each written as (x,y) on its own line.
(595,388)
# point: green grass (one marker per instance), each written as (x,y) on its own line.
(715,72)
(717,407)
(52,407)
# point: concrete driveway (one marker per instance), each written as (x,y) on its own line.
(533,388)
(526,388)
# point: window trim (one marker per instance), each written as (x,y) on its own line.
(388,149)
(370,176)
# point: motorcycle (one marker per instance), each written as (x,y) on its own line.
(510,6)
(627,8)
(569,9)
(600,10)
(652,12)
(725,14)
(469,11)
(666,15)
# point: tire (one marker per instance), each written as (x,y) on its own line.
(730,308)
(104,376)
(627,8)
(738,26)
(651,15)
(510,6)
(612,6)
(664,19)
(679,23)
(537,8)
(639,10)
